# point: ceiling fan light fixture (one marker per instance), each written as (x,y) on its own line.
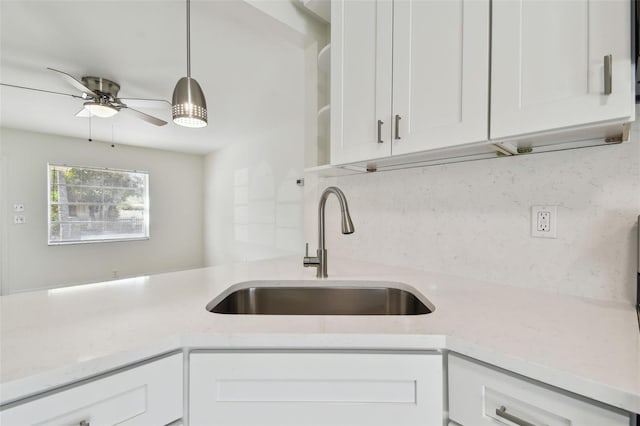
(189,107)
(101,110)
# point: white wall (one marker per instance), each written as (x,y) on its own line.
(473,219)
(299,25)
(253,207)
(176,206)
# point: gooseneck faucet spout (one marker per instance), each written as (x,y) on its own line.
(320,261)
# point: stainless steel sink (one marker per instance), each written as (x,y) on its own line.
(321,298)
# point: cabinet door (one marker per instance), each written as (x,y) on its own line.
(147,395)
(300,389)
(440,73)
(361,44)
(479,395)
(548,66)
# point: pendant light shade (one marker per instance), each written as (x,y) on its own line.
(189,107)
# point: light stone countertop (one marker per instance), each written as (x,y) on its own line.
(54,337)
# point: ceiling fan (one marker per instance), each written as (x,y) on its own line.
(101,96)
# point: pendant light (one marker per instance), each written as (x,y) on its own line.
(189,108)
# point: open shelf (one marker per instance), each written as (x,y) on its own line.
(323,113)
(324,60)
(324,121)
(320,8)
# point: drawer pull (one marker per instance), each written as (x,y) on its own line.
(608,59)
(502,412)
(84,423)
(380,123)
(398,118)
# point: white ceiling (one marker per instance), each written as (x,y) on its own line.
(142,46)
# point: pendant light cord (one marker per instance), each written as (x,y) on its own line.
(188,38)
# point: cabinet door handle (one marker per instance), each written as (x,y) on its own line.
(380,123)
(502,412)
(398,118)
(84,423)
(608,64)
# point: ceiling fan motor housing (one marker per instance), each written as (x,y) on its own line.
(102,86)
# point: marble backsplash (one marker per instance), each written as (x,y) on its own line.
(474,219)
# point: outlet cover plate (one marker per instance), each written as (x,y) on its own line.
(544,221)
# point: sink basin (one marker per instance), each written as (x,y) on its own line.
(321,298)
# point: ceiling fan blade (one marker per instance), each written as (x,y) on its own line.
(40,90)
(146,117)
(84,113)
(145,103)
(74,82)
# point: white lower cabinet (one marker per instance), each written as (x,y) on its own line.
(148,395)
(480,395)
(311,388)
(315,389)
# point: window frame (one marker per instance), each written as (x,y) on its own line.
(146,211)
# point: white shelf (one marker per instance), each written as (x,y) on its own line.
(324,60)
(323,113)
(324,120)
(320,8)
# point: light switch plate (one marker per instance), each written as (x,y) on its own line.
(544,221)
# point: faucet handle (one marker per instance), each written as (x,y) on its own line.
(309,261)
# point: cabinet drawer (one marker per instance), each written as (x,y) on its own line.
(150,394)
(480,395)
(315,389)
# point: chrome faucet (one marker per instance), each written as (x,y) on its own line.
(320,261)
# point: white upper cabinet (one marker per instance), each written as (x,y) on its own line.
(548,69)
(410,79)
(361,73)
(440,74)
(407,76)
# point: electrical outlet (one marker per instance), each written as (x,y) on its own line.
(544,220)
(19,219)
(18,207)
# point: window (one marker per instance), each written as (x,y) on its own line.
(93,205)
